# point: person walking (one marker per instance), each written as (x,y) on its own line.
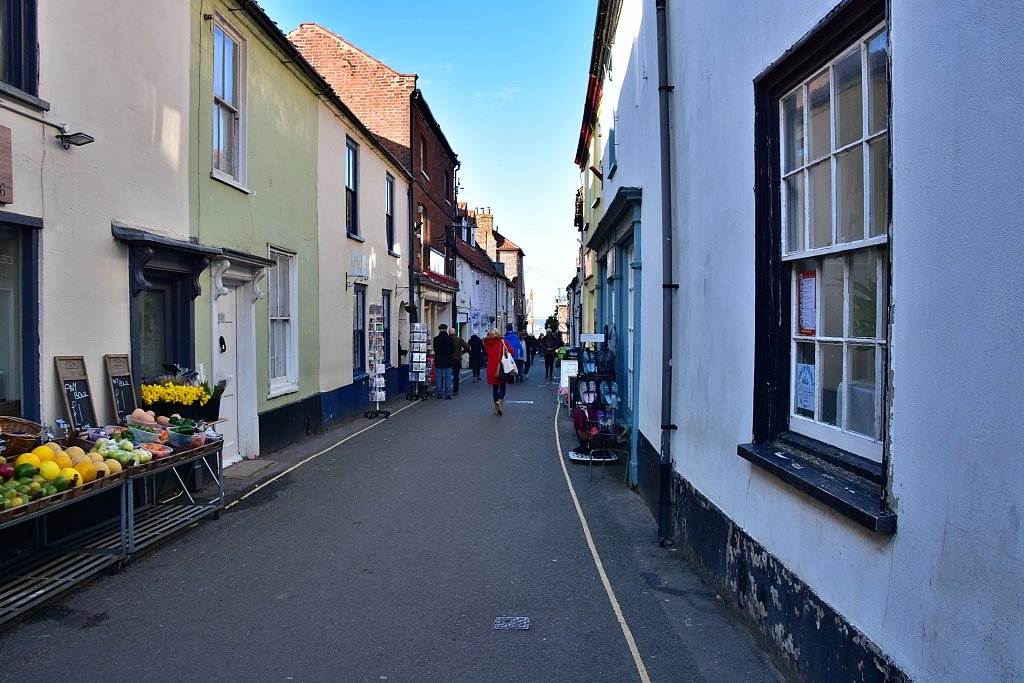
(494,347)
(532,345)
(459,347)
(518,351)
(443,362)
(550,345)
(476,356)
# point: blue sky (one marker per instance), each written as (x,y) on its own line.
(506,81)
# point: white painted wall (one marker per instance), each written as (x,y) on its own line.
(942,596)
(630,104)
(337,249)
(121,76)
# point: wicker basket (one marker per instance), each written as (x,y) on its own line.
(20,435)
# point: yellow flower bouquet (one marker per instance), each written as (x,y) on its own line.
(169,392)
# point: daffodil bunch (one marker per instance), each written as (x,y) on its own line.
(169,392)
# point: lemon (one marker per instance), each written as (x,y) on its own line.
(44,454)
(73,451)
(113,466)
(53,446)
(30,458)
(71,475)
(49,470)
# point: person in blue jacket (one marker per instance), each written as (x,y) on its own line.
(518,350)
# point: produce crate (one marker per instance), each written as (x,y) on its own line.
(20,511)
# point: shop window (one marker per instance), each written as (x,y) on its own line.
(282,293)
(18,45)
(359,330)
(228,104)
(18,321)
(351,187)
(823,264)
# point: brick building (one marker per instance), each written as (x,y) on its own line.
(394,109)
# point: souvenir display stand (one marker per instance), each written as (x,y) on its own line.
(376,362)
(138,506)
(418,342)
(594,397)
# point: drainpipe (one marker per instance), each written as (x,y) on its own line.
(668,284)
(414,307)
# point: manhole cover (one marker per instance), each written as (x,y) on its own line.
(510,623)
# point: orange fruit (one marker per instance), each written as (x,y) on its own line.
(53,446)
(86,469)
(73,451)
(63,461)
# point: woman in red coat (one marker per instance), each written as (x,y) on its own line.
(494,343)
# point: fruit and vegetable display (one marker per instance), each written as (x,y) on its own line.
(51,470)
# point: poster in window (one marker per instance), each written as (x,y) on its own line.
(806,310)
(805,386)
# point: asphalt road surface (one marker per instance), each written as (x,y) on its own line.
(384,550)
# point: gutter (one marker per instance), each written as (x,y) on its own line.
(668,285)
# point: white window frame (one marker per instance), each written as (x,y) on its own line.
(237,175)
(867,446)
(289,382)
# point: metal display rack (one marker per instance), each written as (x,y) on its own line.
(418,339)
(376,361)
(143,516)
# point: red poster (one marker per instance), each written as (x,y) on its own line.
(806,305)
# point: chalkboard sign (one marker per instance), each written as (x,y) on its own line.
(74,383)
(122,391)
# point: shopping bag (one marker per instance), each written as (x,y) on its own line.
(508,363)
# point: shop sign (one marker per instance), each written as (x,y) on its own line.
(6,167)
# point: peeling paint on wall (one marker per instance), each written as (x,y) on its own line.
(804,635)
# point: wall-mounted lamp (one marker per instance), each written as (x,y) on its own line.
(419,209)
(66,137)
(349,279)
(77,139)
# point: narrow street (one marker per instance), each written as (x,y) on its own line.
(384,550)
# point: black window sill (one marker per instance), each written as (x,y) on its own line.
(356,237)
(392,252)
(849,485)
(12,92)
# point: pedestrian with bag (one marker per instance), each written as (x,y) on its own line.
(459,347)
(476,356)
(443,362)
(497,350)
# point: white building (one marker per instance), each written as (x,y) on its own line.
(363,219)
(836,445)
(63,277)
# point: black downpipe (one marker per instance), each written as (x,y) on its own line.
(668,284)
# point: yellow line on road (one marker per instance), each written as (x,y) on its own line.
(641,669)
(313,457)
